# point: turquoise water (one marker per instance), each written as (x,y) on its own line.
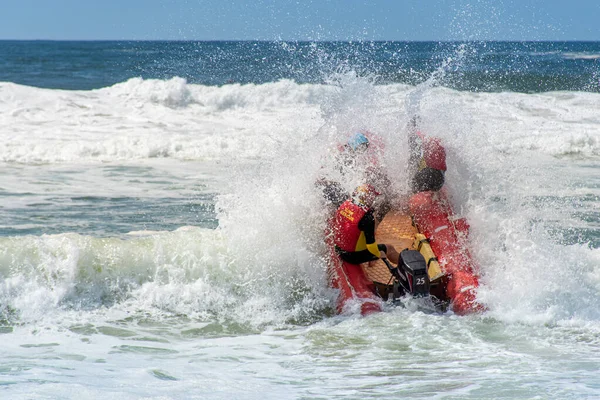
(48,211)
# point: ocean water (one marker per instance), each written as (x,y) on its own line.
(161,237)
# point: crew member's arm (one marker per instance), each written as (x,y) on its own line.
(367,225)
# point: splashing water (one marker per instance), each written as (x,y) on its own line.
(164,238)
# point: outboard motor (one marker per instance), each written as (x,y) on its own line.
(413,266)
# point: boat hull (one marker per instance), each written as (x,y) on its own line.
(429,226)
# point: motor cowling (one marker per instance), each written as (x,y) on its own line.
(413,265)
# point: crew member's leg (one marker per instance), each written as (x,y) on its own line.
(390,252)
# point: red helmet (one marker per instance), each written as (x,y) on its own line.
(434,154)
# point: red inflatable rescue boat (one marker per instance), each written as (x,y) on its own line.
(429,227)
(426,225)
(448,238)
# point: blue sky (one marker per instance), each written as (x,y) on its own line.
(301,19)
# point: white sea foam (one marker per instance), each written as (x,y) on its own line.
(148,119)
(581,56)
(177,310)
(145,119)
(275,140)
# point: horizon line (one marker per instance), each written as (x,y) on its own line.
(310,41)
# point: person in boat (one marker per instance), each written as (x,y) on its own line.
(427,160)
(350,154)
(333,192)
(354,157)
(354,229)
